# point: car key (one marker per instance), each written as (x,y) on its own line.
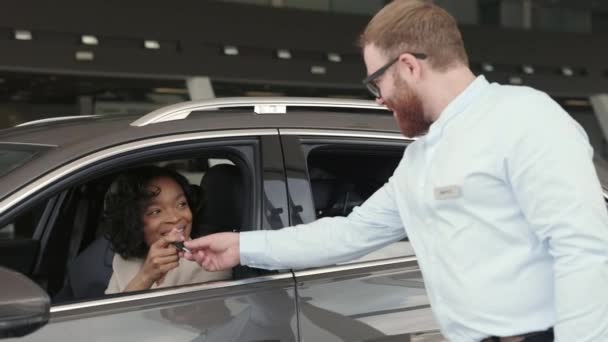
(180,247)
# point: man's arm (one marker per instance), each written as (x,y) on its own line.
(553,178)
(327,241)
(330,240)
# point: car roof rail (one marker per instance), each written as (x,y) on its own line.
(55,119)
(261,105)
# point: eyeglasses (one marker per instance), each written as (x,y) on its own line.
(370,81)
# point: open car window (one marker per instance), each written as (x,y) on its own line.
(344,175)
(216,187)
(62,243)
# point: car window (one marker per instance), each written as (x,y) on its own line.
(20,238)
(218,190)
(14,155)
(343,176)
(24,226)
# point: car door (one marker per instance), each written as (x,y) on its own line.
(257,306)
(380,297)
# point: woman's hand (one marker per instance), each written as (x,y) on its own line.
(162,257)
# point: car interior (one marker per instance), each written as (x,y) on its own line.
(73,259)
(343,177)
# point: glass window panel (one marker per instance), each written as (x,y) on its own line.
(488,12)
(250,2)
(511,14)
(321,5)
(600,22)
(357,7)
(563,19)
(465,11)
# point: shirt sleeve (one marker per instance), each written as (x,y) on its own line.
(114,283)
(553,178)
(327,241)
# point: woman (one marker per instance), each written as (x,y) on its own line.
(148,212)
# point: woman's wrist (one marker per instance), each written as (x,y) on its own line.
(146,279)
(140,282)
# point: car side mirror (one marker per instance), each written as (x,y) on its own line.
(24,306)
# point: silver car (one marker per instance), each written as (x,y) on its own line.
(265,163)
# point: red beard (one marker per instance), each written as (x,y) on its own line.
(407,109)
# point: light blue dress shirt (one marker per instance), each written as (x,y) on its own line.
(504,210)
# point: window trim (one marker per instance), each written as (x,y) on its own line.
(303,135)
(345,134)
(69,175)
(22,194)
(308,137)
(127,302)
(409,262)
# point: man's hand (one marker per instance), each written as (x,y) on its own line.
(215,252)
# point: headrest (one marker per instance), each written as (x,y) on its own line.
(222,189)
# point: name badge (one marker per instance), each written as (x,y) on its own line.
(448,192)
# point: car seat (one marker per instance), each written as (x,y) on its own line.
(222,201)
(89,273)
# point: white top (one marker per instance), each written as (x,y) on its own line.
(188,272)
(502,205)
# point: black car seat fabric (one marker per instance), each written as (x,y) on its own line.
(222,200)
(222,195)
(19,254)
(89,273)
(333,196)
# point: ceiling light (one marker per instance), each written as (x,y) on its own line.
(334,57)
(152,44)
(231,50)
(577,102)
(516,80)
(172,91)
(318,70)
(284,54)
(87,39)
(23,35)
(84,55)
(487,67)
(567,71)
(527,69)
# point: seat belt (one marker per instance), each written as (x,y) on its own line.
(78,229)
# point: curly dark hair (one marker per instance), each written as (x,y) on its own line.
(125,201)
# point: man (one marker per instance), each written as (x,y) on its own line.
(499,196)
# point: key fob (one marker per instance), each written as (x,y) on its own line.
(180,247)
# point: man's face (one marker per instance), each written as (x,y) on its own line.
(407,109)
(396,94)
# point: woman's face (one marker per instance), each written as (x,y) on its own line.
(167,212)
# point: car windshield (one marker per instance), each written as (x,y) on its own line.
(13,155)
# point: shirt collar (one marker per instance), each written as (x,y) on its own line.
(456,106)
